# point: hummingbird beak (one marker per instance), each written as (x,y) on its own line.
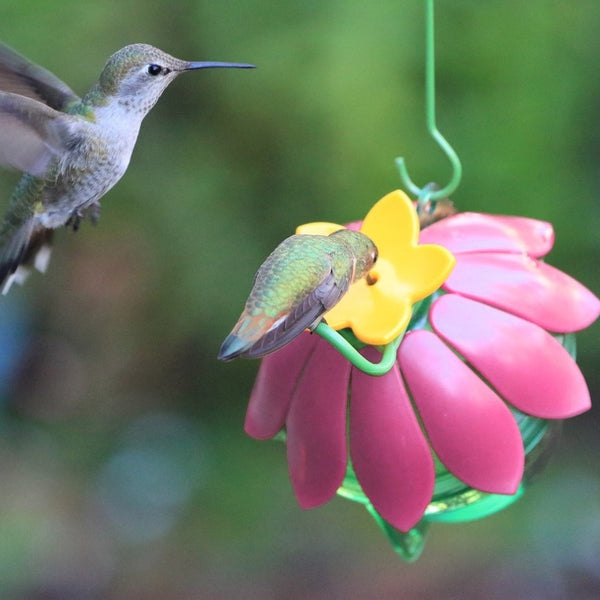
(211,65)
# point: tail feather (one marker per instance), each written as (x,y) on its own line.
(26,249)
(232,347)
(254,337)
(247,331)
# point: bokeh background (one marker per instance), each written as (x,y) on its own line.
(124,470)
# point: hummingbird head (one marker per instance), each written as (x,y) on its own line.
(138,74)
(363,249)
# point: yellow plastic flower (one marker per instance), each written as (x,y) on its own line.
(378,311)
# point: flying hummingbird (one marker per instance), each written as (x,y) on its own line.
(72,150)
(303,278)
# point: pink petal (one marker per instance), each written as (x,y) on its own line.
(316,427)
(275,382)
(391,457)
(472,431)
(476,232)
(355,225)
(523,362)
(525,287)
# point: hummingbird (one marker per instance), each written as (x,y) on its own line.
(72,150)
(303,278)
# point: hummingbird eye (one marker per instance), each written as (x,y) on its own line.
(154,69)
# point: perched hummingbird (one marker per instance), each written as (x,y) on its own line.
(303,278)
(72,149)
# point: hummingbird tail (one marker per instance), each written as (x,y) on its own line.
(28,248)
(248,341)
(232,347)
(247,331)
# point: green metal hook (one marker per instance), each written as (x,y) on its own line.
(430,119)
(346,349)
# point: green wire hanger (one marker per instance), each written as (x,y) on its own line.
(430,193)
(344,342)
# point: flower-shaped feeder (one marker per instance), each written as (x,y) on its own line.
(468,410)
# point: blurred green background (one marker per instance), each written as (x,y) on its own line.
(125,473)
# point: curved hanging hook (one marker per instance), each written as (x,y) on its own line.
(430,119)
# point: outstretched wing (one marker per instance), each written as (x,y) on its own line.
(34,130)
(20,76)
(32,134)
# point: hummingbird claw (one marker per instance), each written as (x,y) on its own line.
(74,220)
(92,211)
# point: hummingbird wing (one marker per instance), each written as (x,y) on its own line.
(32,134)
(19,75)
(305,315)
(256,342)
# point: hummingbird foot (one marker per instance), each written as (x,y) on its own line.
(75,219)
(92,211)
